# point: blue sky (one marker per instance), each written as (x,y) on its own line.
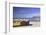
(25,12)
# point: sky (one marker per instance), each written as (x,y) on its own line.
(25,12)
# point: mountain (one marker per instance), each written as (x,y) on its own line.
(35,18)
